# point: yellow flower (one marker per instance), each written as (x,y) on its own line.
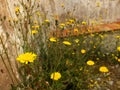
(68,23)
(66,43)
(101,36)
(62,25)
(34,31)
(90,63)
(84,23)
(37,26)
(118,48)
(94,46)
(47,21)
(118,59)
(76,40)
(117,37)
(71,21)
(83,51)
(62,5)
(98,4)
(103,69)
(38,13)
(52,39)
(75,30)
(17,9)
(91,85)
(89,30)
(55,76)
(33,26)
(26,57)
(35,22)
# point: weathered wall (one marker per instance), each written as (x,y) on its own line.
(89,10)
(108,10)
(7,35)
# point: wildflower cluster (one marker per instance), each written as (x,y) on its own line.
(61,54)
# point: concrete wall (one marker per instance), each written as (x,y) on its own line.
(108,10)
(89,10)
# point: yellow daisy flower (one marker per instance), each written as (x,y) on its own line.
(35,22)
(103,69)
(55,76)
(34,31)
(26,57)
(118,48)
(76,30)
(83,51)
(62,25)
(117,37)
(67,23)
(62,5)
(37,26)
(98,4)
(52,39)
(118,59)
(47,21)
(90,63)
(71,21)
(84,23)
(66,43)
(17,9)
